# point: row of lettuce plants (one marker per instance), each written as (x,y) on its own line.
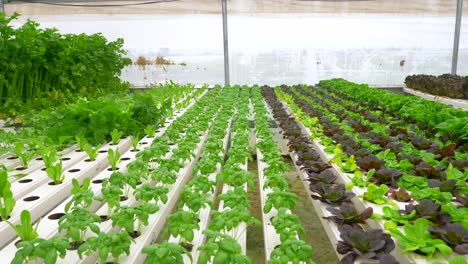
(356,240)
(377,176)
(280,199)
(92,122)
(53,165)
(80,226)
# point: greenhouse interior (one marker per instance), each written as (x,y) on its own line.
(234,131)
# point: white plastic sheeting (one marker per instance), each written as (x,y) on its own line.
(379,49)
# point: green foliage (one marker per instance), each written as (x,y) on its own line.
(83,196)
(21,151)
(221,249)
(39,63)
(105,244)
(287,225)
(230,219)
(195,201)
(376,194)
(49,156)
(166,253)
(135,139)
(77,222)
(48,250)
(182,223)
(150,130)
(116,135)
(114,158)
(7,202)
(292,251)
(91,151)
(148,192)
(280,199)
(126,216)
(55,173)
(25,230)
(417,238)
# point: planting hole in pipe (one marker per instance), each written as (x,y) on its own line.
(53,183)
(21,168)
(78,150)
(43,169)
(134,150)
(127,158)
(1,219)
(187,246)
(31,198)
(25,180)
(74,170)
(110,169)
(134,234)
(104,218)
(102,151)
(65,159)
(143,143)
(56,216)
(97,181)
(123,198)
(75,245)
(88,160)
(39,158)
(12,158)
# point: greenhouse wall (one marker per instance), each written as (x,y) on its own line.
(276,48)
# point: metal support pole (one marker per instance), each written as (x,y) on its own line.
(2,7)
(225,41)
(456,40)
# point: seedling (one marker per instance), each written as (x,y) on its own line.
(91,151)
(148,192)
(23,153)
(230,220)
(48,250)
(114,158)
(116,135)
(182,223)
(55,173)
(25,230)
(287,225)
(280,199)
(126,216)
(77,222)
(7,202)
(292,251)
(166,253)
(195,201)
(83,196)
(221,248)
(105,244)
(135,139)
(81,141)
(150,131)
(49,156)
(111,194)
